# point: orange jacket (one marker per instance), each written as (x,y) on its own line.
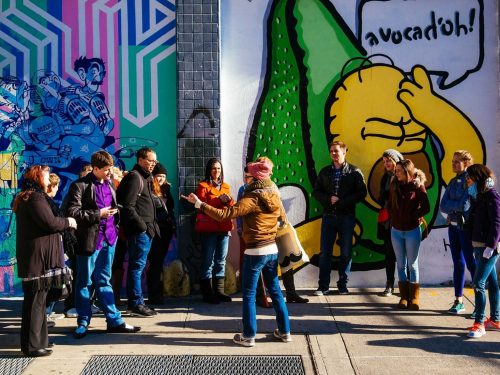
(209,194)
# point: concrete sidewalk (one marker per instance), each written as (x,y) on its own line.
(360,333)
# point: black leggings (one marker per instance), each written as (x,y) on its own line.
(390,260)
(156,256)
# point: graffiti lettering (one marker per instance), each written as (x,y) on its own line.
(437,27)
(50,160)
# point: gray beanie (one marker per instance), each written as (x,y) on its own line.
(393,154)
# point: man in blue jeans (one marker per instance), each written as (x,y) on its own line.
(91,201)
(138,216)
(339,187)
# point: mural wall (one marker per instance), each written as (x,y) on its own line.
(418,76)
(77,77)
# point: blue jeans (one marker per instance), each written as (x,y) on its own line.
(253,265)
(486,271)
(331,226)
(138,247)
(462,255)
(214,247)
(95,270)
(406,245)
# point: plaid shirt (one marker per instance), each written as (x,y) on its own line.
(336,175)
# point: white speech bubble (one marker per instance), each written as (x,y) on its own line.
(445,36)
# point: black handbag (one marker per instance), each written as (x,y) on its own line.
(61,287)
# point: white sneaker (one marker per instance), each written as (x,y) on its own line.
(240,340)
(476,331)
(71,313)
(54,316)
(321,292)
(285,337)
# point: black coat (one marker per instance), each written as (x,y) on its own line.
(38,237)
(81,205)
(351,191)
(138,209)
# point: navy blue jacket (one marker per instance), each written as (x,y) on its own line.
(485,218)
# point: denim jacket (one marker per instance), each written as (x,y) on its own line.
(455,201)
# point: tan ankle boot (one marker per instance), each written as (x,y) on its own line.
(414,296)
(404,292)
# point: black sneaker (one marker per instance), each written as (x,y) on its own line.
(141,310)
(343,289)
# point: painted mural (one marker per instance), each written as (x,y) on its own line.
(77,77)
(398,77)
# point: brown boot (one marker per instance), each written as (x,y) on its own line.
(414,296)
(404,292)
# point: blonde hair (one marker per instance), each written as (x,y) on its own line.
(465,156)
(54,179)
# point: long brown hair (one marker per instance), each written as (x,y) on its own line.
(33,177)
(479,174)
(395,192)
(208,170)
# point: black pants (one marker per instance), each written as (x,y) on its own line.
(34,334)
(120,252)
(156,256)
(390,260)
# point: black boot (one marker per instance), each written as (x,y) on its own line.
(207,293)
(289,284)
(219,290)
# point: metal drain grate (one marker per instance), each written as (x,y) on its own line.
(13,365)
(198,364)
(138,364)
(246,365)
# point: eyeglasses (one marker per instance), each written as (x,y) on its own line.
(152,161)
(248,176)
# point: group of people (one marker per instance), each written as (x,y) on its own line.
(136,216)
(92,212)
(472,208)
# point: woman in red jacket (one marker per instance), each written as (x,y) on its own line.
(214,235)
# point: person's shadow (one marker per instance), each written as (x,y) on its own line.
(449,345)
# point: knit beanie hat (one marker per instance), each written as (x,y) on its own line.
(159,169)
(393,154)
(260,170)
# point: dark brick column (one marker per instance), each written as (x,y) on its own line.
(198,117)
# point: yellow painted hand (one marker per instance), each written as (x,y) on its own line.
(450,126)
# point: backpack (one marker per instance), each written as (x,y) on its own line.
(141,181)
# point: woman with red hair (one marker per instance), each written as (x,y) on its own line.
(40,257)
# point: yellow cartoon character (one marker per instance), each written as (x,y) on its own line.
(378,107)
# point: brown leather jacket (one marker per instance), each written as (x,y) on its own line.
(261,210)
